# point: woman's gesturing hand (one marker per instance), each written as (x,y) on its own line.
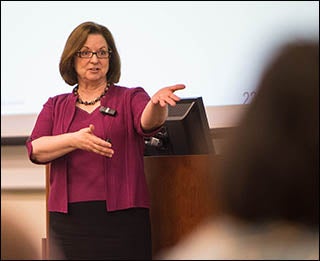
(166,95)
(87,140)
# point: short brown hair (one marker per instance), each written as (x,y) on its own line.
(76,40)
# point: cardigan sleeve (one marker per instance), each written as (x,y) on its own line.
(138,101)
(42,127)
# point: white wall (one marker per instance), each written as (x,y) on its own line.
(217,49)
(18,172)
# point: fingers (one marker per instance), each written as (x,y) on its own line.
(177,87)
(174,97)
(103,149)
(166,96)
(92,143)
(91,127)
(171,100)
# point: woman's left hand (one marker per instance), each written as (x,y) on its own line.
(166,95)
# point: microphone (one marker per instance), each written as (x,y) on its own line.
(154,142)
(108,111)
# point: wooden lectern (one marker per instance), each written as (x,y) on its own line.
(181,196)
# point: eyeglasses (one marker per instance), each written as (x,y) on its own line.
(102,54)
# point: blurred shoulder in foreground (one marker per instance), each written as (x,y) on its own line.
(16,243)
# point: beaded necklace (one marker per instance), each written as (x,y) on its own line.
(79,100)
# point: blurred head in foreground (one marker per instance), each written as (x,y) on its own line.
(271,168)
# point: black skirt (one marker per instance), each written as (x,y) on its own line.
(89,232)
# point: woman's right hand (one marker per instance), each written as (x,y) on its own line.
(85,139)
(48,148)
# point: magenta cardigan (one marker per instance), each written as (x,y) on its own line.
(126,185)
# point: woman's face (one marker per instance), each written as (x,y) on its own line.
(94,69)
